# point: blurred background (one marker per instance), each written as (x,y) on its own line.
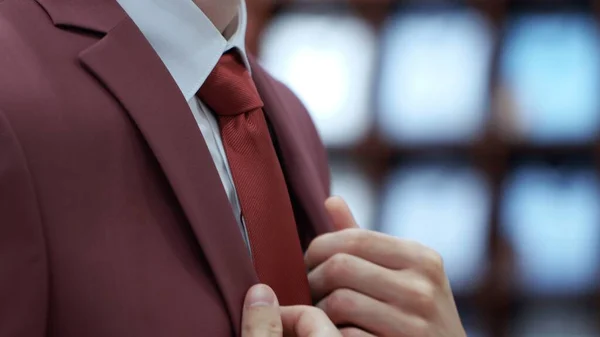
(470,126)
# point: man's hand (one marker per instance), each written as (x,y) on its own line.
(382,285)
(264,318)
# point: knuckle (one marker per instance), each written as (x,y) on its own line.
(356,239)
(314,246)
(418,328)
(433,263)
(411,245)
(275,329)
(424,296)
(314,312)
(338,266)
(261,321)
(339,302)
(271,328)
(352,332)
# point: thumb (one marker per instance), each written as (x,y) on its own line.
(340,214)
(261,317)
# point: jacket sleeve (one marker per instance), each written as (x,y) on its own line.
(23,257)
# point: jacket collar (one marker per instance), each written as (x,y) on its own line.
(98,16)
(126,65)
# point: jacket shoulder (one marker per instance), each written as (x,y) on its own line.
(16,13)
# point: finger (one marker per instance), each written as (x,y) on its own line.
(384,250)
(348,271)
(355,332)
(406,288)
(261,316)
(340,214)
(306,321)
(347,307)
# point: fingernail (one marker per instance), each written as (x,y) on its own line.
(261,296)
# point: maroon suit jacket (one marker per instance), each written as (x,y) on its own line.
(113,219)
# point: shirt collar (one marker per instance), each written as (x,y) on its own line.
(185,39)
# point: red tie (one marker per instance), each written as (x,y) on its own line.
(266,207)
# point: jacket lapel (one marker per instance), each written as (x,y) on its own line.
(301,173)
(125,63)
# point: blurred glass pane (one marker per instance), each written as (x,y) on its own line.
(552,220)
(475,333)
(551,71)
(556,320)
(446,208)
(352,184)
(327,60)
(435,76)
(472,320)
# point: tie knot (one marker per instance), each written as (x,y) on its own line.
(229,89)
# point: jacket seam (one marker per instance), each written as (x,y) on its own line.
(40,217)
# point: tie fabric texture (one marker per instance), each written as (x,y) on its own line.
(259,181)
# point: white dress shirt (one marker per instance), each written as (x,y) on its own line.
(190,46)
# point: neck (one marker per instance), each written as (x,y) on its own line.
(221,12)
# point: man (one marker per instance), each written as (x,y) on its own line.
(129,131)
